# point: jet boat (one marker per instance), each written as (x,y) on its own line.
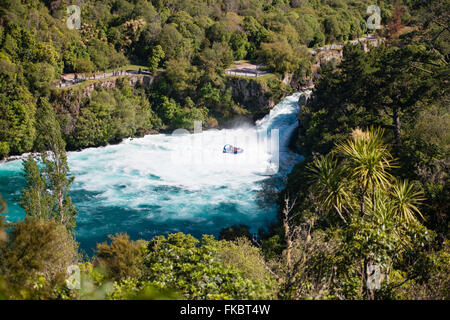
(228,148)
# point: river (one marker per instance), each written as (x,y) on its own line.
(161,184)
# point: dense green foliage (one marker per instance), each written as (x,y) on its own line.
(385,88)
(193,41)
(122,258)
(110,116)
(351,214)
(35,258)
(371,192)
(371,199)
(200,271)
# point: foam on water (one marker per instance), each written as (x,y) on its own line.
(161,184)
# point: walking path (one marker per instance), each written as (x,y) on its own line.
(339,46)
(68,79)
(244,69)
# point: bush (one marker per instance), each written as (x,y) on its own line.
(4,149)
(121,258)
(36,257)
(178,262)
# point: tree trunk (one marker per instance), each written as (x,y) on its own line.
(397,133)
(371,291)
(368,292)
(374,199)
(363,199)
(61,206)
(364,278)
(339,213)
(287,231)
(288,242)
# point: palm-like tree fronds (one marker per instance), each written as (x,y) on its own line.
(369,159)
(383,211)
(406,200)
(330,186)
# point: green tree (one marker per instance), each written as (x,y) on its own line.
(177,72)
(55,169)
(406,200)
(247,258)
(40,75)
(81,65)
(240,45)
(155,59)
(218,32)
(170,40)
(167,110)
(99,53)
(36,200)
(368,162)
(332,28)
(216,58)
(17,124)
(385,226)
(281,57)
(76,57)
(402,81)
(256,32)
(4,149)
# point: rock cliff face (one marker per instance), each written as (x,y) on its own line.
(250,94)
(136,80)
(303,99)
(255,95)
(299,84)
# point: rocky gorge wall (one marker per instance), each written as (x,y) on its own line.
(69,101)
(257,95)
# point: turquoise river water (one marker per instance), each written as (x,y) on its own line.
(161,184)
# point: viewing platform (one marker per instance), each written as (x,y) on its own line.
(246,69)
